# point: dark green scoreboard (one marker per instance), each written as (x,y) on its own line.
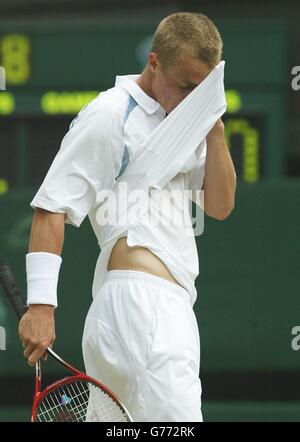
(52,71)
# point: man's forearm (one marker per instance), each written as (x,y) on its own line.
(220,179)
(37,326)
(47,232)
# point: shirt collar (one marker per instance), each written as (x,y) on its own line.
(128,83)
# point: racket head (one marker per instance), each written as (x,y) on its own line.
(78,398)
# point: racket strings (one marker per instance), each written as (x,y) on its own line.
(80,401)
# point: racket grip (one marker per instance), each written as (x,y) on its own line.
(11,289)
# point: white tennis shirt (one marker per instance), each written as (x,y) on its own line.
(93,156)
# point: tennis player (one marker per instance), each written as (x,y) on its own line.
(141,337)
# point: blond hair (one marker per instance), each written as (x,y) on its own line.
(187,31)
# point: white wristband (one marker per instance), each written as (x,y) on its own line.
(42,269)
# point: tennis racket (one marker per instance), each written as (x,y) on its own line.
(76,398)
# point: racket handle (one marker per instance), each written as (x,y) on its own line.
(11,289)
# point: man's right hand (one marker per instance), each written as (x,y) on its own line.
(37,331)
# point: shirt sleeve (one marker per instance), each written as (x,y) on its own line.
(82,167)
(196,175)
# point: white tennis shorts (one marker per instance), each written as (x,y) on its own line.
(141,340)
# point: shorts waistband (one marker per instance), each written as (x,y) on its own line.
(136,275)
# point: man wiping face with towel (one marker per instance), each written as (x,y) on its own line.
(160,130)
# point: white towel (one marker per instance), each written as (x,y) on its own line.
(176,138)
